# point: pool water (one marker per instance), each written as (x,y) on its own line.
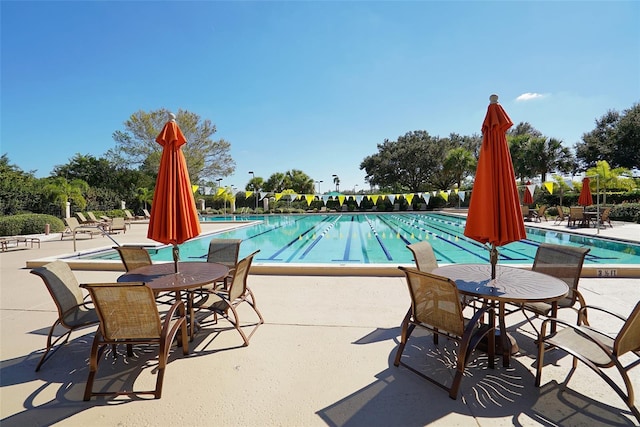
(360,238)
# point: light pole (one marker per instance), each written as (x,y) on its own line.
(319,182)
(219,180)
(255,190)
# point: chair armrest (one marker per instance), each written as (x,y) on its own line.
(580,330)
(582,312)
(478,316)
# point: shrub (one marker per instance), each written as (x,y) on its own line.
(626,212)
(29,224)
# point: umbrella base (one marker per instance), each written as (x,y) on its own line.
(511,342)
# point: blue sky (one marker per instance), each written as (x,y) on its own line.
(312,85)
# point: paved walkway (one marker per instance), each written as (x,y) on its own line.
(323,357)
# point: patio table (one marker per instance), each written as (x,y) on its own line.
(163,278)
(511,285)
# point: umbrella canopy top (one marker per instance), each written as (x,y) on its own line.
(494,213)
(585,198)
(174,218)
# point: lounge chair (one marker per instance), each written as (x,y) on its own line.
(435,307)
(83,220)
(560,216)
(118,224)
(73,311)
(129,216)
(220,302)
(539,215)
(604,218)
(598,349)
(93,218)
(147,215)
(74,227)
(128,315)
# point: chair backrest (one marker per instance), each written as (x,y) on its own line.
(92,217)
(541,210)
(562,262)
(125,310)
(133,257)
(424,256)
(128,214)
(62,285)
(605,215)
(525,210)
(71,222)
(435,301)
(81,217)
(118,223)
(560,212)
(224,251)
(238,285)
(576,212)
(628,338)
(146,213)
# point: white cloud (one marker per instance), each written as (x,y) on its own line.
(528,96)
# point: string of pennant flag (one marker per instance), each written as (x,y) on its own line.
(341,198)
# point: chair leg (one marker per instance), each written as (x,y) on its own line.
(48,351)
(93,367)
(407,328)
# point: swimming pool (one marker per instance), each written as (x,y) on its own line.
(367,239)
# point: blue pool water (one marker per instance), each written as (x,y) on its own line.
(348,238)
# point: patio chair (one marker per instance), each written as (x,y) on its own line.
(424,256)
(562,262)
(560,217)
(93,218)
(220,302)
(598,349)
(73,311)
(224,251)
(435,307)
(147,215)
(576,216)
(128,315)
(133,257)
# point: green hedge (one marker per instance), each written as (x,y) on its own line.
(15,225)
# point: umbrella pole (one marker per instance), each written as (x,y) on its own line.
(494,260)
(176,256)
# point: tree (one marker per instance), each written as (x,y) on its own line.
(336,181)
(206,158)
(95,172)
(275,183)
(524,128)
(412,163)
(607,177)
(16,188)
(60,191)
(615,139)
(459,163)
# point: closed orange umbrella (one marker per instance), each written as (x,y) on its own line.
(174,218)
(528,197)
(585,198)
(494,215)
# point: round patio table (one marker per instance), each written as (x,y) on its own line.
(190,275)
(511,285)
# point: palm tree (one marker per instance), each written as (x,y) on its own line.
(144,195)
(61,191)
(607,177)
(336,181)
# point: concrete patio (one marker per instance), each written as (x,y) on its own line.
(323,357)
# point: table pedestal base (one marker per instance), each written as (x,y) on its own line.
(512,342)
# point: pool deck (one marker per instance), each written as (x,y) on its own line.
(324,357)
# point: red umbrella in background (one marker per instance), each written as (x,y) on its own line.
(585,198)
(494,215)
(174,218)
(528,197)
